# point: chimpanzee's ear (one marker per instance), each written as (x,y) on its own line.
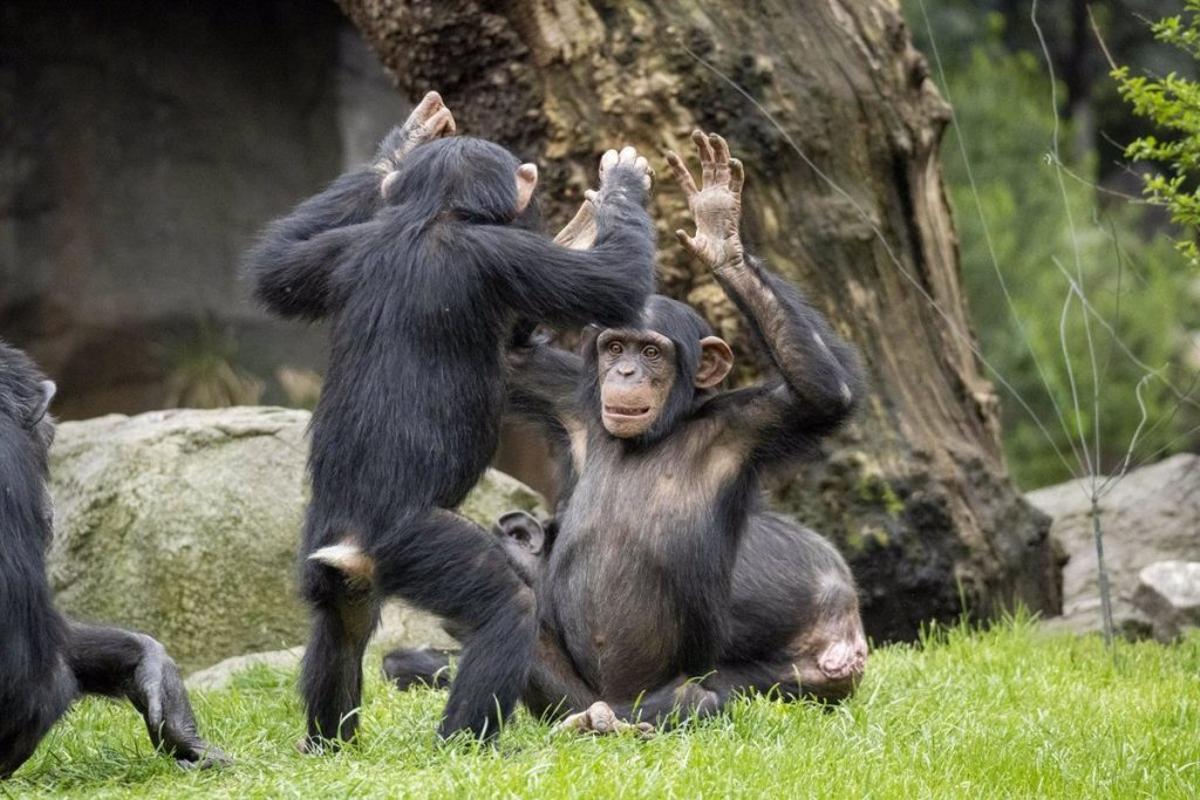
(388,180)
(716,360)
(46,392)
(527,175)
(522,528)
(587,339)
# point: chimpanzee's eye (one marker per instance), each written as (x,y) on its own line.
(650,351)
(615,349)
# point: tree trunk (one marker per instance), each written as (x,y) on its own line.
(916,493)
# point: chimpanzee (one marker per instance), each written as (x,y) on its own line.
(423,274)
(792,624)
(664,566)
(46,660)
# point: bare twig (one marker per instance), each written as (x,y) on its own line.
(1100,39)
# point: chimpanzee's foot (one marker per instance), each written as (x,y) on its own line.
(317,745)
(832,670)
(408,668)
(844,659)
(600,720)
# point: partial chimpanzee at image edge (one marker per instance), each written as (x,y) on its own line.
(666,585)
(424,263)
(46,660)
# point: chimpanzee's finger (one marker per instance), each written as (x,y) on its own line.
(737,176)
(441,124)
(628,155)
(430,104)
(721,157)
(682,175)
(704,147)
(689,244)
(608,160)
(642,165)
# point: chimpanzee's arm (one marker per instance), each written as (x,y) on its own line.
(606,284)
(543,384)
(821,378)
(119,663)
(292,263)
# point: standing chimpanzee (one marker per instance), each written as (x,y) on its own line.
(422,293)
(640,590)
(46,660)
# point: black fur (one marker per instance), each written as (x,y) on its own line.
(639,588)
(422,291)
(46,661)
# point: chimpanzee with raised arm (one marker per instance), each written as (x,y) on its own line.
(668,586)
(423,263)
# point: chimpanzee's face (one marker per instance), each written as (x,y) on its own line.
(637,371)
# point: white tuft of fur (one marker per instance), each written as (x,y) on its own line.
(343,556)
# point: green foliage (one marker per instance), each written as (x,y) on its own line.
(1012,712)
(1044,221)
(1172,103)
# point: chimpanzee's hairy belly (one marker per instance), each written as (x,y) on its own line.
(634,585)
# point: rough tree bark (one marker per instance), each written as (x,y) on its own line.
(916,493)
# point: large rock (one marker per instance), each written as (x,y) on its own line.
(1152,514)
(184,524)
(1168,593)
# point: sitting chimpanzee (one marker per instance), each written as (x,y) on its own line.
(423,273)
(46,660)
(664,566)
(792,624)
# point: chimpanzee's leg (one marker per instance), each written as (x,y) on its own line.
(824,663)
(344,614)
(120,663)
(554,689)
(31,707)
(452,567)
(827,661)
(408,667)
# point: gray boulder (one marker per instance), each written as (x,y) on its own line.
(221,674)
(1151,515)
(184,524)
(1168,593)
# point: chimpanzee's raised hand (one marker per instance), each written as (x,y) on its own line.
(428,121)
(628,157)
(580,232)
(717,206)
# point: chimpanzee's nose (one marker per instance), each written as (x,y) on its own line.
(624,370)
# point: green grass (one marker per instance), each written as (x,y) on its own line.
(1013,712)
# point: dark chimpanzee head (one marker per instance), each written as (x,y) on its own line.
(473,179)
(26,433)
(25,397)
(525,541)
(648,377)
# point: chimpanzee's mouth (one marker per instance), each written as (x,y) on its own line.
(627,411)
